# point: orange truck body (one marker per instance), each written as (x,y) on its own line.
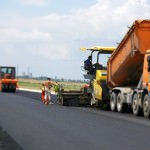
(128,72)
(8,81)
(125,66)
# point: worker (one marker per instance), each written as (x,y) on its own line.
(88,63)
(56,87)
(48,86)
(57,90)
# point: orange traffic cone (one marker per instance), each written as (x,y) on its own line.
(43,96)
(43,93)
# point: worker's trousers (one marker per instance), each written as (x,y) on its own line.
(47,95)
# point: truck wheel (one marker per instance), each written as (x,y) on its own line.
(120,104)
(135,105)
(146,106)
(113,101)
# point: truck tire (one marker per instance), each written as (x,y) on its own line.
(120,105)
(135,105)
(146,106)
(113,101)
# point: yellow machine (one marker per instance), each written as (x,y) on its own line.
(97,91)
(97,74)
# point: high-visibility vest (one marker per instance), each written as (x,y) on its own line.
(56,87)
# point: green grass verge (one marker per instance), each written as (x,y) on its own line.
(37,85)
(29,85)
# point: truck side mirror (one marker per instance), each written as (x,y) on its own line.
(148,62)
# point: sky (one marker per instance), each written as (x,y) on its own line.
(44,36)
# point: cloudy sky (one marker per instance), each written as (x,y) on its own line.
(45,36)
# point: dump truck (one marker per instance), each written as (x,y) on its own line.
(97,75)
(8,81)
(128,73)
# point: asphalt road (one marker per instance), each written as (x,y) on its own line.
(53,127)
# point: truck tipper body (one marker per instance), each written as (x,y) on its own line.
(128,73)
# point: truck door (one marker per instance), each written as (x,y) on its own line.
(146,72)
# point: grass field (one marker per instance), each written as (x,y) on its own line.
(37,84)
